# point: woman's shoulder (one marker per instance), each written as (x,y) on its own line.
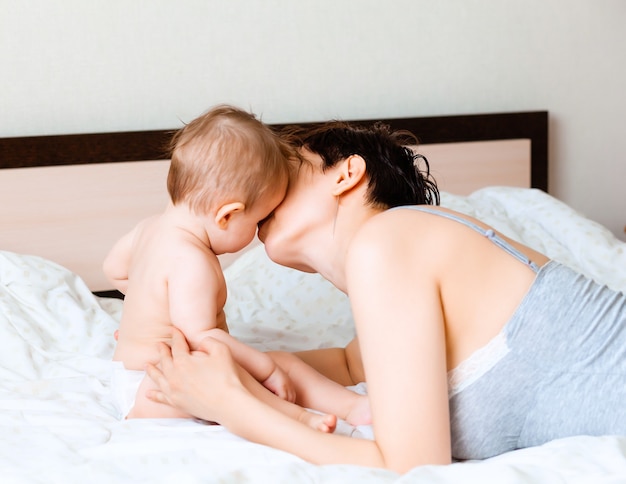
(401,218)
(389,231)
(439,220)
(408,230)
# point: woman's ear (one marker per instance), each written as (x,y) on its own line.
(351,171)
(225,213)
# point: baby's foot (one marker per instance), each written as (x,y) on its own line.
(323,422)
(360,413)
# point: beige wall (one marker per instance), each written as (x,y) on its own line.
(108,65)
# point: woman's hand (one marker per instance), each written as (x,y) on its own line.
(210,385)
(197,382)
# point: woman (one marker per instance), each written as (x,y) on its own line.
(472,344)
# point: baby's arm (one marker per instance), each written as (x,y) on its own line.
(116,263)
(197,292)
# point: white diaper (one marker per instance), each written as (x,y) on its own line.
(124,386)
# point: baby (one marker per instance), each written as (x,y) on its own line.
(228,172)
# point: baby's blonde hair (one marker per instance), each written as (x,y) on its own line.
(225,155)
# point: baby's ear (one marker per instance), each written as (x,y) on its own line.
(226,211)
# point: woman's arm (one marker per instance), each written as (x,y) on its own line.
(341,365)
(394,295)
(209,384)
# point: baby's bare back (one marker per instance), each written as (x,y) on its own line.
(158,250)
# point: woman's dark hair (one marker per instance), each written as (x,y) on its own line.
(395,175)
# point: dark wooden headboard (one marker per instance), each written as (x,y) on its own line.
(151,145)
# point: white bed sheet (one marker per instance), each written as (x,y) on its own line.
(56,342)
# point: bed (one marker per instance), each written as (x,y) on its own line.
(65,199)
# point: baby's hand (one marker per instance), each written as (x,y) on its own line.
(279,383)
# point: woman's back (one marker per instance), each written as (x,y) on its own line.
(559,370)
(535,350)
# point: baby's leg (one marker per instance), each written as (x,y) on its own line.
(145,408)
(324,423)
(314,390)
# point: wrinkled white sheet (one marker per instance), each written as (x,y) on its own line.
(56,342)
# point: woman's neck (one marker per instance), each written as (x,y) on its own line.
(331,262)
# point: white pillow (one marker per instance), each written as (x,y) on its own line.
(550,226)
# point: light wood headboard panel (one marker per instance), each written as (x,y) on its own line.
(69,198)
(462,168)
(73,214)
